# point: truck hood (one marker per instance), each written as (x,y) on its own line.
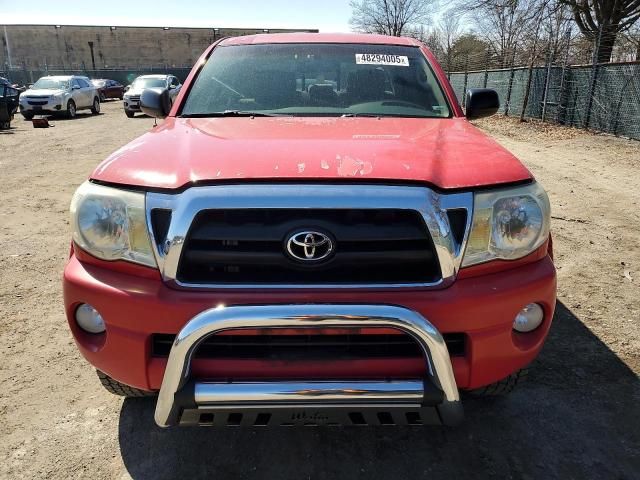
(447,153)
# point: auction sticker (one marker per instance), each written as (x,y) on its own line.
(382,59)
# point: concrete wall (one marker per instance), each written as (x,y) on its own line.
(67,47)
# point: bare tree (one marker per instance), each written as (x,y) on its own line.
(628,48)
(449,31)
(441,39)
(601,21)
(390,17)
(505,24)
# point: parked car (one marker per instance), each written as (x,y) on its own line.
(351,251)
(132,95)
(8,104)
(108,88)
(65,94)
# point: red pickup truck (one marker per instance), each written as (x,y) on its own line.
(315,235)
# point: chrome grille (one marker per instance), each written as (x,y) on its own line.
(222,236)
(249,246)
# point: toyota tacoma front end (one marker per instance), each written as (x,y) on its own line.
(316,234)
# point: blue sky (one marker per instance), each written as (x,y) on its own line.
(326,15)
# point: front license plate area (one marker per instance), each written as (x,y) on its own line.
(357,415)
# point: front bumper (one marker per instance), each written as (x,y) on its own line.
(51,106)
(135,307)
(433,395)
(131,105)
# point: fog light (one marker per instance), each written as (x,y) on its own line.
(89,319)
(529,318)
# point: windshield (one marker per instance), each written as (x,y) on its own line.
(51,84)
(149,83)
(317,80)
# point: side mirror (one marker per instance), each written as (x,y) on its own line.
(155,102)
(481,102)
(126,89)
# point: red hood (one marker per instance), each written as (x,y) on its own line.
(448,153)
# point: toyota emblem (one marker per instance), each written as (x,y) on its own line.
(309,246)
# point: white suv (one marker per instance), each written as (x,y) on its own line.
(60,94)
(132,96)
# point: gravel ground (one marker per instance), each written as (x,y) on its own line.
(578,417)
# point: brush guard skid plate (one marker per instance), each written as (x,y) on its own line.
(433,399)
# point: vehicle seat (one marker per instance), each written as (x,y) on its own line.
(366,85)
(323,95)
(420,94)
(275,89)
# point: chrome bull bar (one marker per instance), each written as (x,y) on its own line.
(437,389)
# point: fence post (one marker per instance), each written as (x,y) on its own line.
(527,91)
(562,95)
(594,77)
(547,78)
(512,74)
(486,68)
(466,80)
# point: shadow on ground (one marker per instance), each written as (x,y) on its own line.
(577,417)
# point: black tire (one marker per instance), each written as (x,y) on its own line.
(503,387)
(121,389)
(5,125)
(129,114)
(95,108)
(27,116)
(71,109)
(102,97)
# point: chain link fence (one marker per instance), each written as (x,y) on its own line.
(564,78)
(603,97)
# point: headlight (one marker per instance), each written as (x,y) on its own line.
(507,224)
(111,224)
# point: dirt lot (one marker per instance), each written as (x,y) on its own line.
(578,417)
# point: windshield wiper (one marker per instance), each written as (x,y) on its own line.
(229,113)
(372,115)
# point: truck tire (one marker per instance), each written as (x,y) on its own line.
(5,125)
(129,114)
(27,116)
(503,387)
(121,389)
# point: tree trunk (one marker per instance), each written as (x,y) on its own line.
(605,49)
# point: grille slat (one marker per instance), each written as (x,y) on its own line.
(247,246)
(275,258)
(309,347)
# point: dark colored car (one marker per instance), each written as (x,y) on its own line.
(8,103)
(108,88)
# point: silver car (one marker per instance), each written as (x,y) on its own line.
(131,101)
(64,94)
